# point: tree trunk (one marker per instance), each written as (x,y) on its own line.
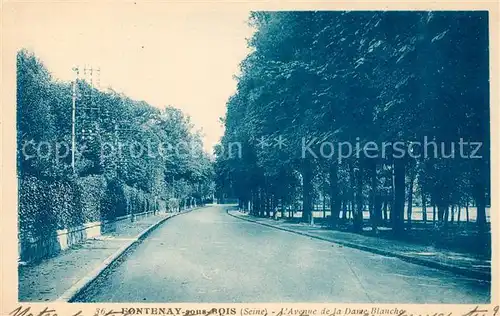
(358,212)
(459,213)
(385,215)
(311,218)
(334,194)
(424,208)
(480,199)
(344,210)
(341,204)
(307,193)
(467,210)
(434,213)
(399,196)
(255,208)
(271,206)
(446,214)
(391,199)
(410,199)
(324,205)
(259,203)
(441,212)
(252,204)
(375,208)
(378,209)
(266,203)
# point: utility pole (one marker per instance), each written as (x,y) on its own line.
(117,131)
(90,106)
(91,112)
(73,120)
(98,78)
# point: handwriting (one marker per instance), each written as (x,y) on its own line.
(45,312)
(476,311)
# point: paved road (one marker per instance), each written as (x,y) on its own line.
(209,256)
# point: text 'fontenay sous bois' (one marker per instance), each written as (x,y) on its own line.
(374,311)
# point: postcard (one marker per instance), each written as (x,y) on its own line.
(258,158)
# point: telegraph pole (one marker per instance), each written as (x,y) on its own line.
(73,121)
(86,71)
(98,77)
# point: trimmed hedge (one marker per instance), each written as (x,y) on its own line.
(49,205)
(46,206)
(92,196)
(114,203)
(37,217)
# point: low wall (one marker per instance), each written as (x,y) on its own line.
(73,236)
(35,249)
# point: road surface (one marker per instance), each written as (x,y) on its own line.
(208,256)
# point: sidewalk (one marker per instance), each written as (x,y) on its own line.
(51,278)
(460,263)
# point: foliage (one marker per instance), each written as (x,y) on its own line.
(358,77)
(44,207)
(111,177)
(92,193)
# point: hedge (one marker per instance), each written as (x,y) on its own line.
(114,202)
(46,206)
(92,195)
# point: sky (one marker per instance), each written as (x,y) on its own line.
(183,56)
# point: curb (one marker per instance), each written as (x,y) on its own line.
(483,276)
(70,294)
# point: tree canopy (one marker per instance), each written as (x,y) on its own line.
(359,77)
